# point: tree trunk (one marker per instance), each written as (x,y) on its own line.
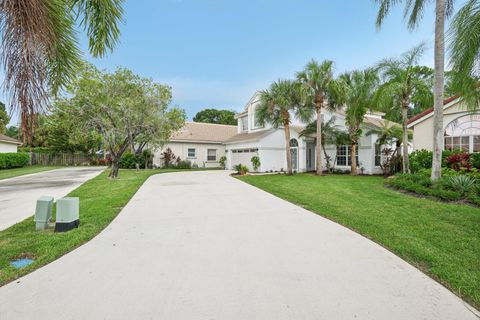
(115,166)
(438,90)
(287,147)
(326,157)
(405,161)
(353,159)
(318,148)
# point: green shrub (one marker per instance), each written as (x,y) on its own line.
(222,161)
(241,169)
(404,183)
(13,160)
(129,161)
(475,160)
(183,164)
(420,159)
(255,162)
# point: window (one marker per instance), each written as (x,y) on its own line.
(294,153)
(212,155)
(378,155)
(191,152)
(463,133)
(244,122)
(343,156)
(256,121)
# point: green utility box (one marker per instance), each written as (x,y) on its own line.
(67,214)
(43,212)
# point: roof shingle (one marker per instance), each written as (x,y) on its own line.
(7,139)
(204,132)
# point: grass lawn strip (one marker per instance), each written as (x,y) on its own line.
(101,199)
(441,239)
(12,173)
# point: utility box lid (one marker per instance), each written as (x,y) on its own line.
(43,210)
(67,209)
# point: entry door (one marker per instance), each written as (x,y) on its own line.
(310,157)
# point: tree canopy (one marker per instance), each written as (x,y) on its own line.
(125,109)
(4,118)
(216,116)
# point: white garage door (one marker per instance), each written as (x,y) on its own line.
(243,156)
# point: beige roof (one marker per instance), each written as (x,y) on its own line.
(374,121)
(249,136)
(4,138)
(204,132)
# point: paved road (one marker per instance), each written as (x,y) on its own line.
(18,195)
(202,245)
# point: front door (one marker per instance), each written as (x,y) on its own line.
(310,157)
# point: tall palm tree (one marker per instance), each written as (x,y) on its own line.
(318,79)
(403,83)
(464,38)
(413,13)
(283,99)
(39,47)
(356,91)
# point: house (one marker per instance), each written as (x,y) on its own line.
(200,143)
(461,127)
(268,143)
(8,144)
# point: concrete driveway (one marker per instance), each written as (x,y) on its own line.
(202,245)
(18,195)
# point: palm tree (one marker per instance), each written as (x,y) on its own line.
(276,105)
(464,38)
(318,79)
(356,90)
(413,13)
(39,47)
(404,83)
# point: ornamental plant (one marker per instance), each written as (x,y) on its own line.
(255,162)
(458,161)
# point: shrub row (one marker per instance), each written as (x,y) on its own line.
(457,160)
(13,160)
(449,188)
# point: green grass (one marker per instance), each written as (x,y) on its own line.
(11,173)
(101,199)
(441,239)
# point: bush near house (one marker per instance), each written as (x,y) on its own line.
(241,169)
(13,160)
(255,162)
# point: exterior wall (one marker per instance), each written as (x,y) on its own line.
(423,131)
(180,149)
(7,147)
(271,150)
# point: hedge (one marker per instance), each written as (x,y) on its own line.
(13,160)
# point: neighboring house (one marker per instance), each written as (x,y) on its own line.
(8,144)
(200,143)
(461,127)
(269,144)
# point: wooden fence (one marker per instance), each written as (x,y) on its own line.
(60,159)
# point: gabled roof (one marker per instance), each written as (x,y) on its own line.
(204,132)
(428,111)
(7,139)
(253,136)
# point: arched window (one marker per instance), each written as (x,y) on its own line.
(463,133)
(293,143)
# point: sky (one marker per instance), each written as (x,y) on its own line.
(217,53)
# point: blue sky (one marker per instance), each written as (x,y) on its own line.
(217,53)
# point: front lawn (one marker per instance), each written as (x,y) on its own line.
(11,173)
(441,239)
(101,199)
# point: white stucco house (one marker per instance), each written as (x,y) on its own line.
(201,143)
(8,144)
(461,127)
(269,144)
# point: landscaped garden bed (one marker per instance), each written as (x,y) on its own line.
(442,239)
(460,177)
